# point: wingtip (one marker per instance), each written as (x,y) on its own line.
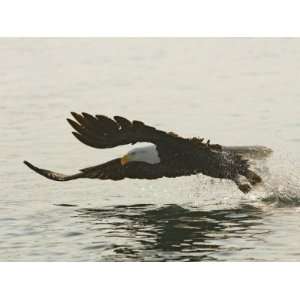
(86,115)
(77,135)
(74,114)
(29,165)
(71,122)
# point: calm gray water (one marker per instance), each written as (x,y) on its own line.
(233,91)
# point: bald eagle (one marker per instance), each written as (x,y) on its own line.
(168,154)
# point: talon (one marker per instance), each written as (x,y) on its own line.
(245,188)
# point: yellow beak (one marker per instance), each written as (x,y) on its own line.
(124,160)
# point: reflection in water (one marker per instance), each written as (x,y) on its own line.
(171,232)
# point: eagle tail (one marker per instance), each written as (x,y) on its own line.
(53,175)
(253,152)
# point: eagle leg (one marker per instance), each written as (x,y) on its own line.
(253,177)
(244,187)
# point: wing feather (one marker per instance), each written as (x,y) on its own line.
(112,170)
(52,175)
(103,132)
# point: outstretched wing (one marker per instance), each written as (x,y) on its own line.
(52,175)
(103,132)
(109,170)
(113,170)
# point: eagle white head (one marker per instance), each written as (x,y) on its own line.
(147,154)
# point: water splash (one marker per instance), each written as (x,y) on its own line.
(281,181)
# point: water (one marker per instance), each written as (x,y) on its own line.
(233,91)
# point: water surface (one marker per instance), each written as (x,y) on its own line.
(232,91)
